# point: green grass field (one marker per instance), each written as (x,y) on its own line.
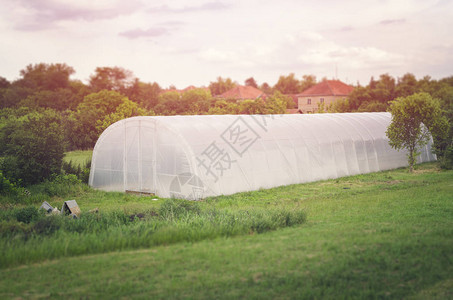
(78,157)
(380,235)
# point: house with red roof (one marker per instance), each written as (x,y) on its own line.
(242,92)
(323,93)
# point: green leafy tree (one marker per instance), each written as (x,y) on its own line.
(413,118)
(221,86)
(407,85)
(340,106)
(307,82)
(288,84)
(125,110)
(443,90)
(168,103)
(277,103)
(6,186)
(95,107)
(11,96)
(266,88)
(202,106)
(4,83)
(358,96)
(111,79)
(384,90)
(194,101)
(60,99)
(251,82)
(372,106)
(46,76)
(322,109)
(145,94)
(44,85)
(34,147)
(252,107)
(377,91)
(9,117)
(223,107)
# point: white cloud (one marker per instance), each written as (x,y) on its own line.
(354,57)
(206,6)
(39,15)
(149,33)
(214,55)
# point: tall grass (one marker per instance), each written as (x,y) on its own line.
(59,186)
(48,237)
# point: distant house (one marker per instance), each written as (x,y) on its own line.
(241,92)
(325,92)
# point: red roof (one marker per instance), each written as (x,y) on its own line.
(242,92)
(328,88)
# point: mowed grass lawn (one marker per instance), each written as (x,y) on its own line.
(380,235)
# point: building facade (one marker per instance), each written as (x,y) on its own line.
(322,95)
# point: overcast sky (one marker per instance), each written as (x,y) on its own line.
(193,42)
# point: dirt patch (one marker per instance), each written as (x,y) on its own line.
(141,216)
(428,170)
(392,182)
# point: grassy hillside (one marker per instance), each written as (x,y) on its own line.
(380,235)
(78,157)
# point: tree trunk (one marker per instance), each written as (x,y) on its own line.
(411,159)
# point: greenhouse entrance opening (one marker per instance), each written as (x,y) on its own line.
(139,159)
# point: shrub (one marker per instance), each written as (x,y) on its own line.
(58,185)
(6,186)
(446,160)
(27,214)
(65,179)
(85,173)
(10,169)
(48,225)
(13,228)
(70,168)
(36,143)
(82,173)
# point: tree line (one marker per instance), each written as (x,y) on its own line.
(45,112)
(377,95)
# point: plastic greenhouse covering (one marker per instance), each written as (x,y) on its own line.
(193,157)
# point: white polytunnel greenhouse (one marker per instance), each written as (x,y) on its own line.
(193,157)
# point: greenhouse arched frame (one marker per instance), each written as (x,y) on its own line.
(193,157)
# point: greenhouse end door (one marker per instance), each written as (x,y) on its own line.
(140,157)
